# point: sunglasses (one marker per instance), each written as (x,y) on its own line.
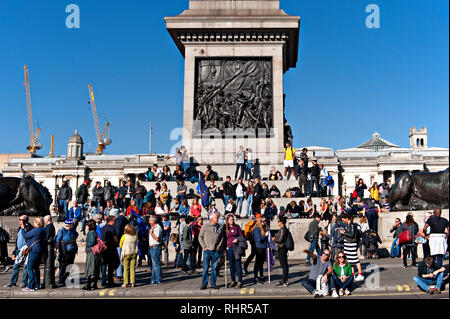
(326,254)
(341,257)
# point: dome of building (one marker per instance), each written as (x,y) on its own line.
(376,143)
(75,138)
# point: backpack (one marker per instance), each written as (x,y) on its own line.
(99,247)
(308,237)
(338,238)
(77,192)
(354,194)
(248,229)
(289,241)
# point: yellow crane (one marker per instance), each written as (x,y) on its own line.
(102,137)
(34,136)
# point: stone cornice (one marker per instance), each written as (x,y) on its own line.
(233,37)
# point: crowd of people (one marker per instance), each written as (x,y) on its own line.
(124,226)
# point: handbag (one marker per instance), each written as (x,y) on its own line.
(405,237)
(27,250)
(419,239)
(98,248)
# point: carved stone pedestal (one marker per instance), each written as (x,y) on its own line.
(236,53)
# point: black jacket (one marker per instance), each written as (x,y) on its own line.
(98,194)
(83,194)
(257,191)
(228,189)
(302,170)
(351,233)
(315,171)
(109,192)
(281,237)
(50,232)
(119,226)
(65,193)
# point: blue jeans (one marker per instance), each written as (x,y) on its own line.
(104,278)
(249,205)
(139,202)
(242,167)
(119,270)
(83,223)
(314,246)
(239,202)
(209,257)
(15,275)
(336,283)
(309,284)
(395,249)
(34,275)
(438,260)
(424,283)
(235,265)
(226,198)
(63,203)
(155,254)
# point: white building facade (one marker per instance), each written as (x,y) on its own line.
(374,161)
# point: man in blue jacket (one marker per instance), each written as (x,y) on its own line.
(67,247)
(75,213)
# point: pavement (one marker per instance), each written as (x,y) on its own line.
(384,278)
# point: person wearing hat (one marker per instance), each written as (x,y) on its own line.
(66,247)
(212,209)
(82,193)
(314,230)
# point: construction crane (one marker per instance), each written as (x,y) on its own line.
(34,136)
(102,137)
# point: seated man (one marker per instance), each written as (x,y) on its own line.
(309,208)
(178,174)
(320,273)
(357,207)
(293,210)
(210,174)
(429,274)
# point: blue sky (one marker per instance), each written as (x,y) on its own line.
(349,81)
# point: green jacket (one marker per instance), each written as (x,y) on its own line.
(347,270)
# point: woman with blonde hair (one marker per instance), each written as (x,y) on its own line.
(128,244)
(261,236)
(36,243)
